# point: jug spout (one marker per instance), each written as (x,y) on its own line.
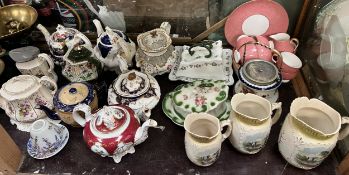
(45,32)
(50,113)
(98,26)
(142,132)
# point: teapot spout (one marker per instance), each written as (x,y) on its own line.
(142,132)
(98,26)
(50,113)
(45,32)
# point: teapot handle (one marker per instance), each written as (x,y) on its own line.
(78,118)
(227,133)
(278,107)
(344,133)
(50,81)
(51,65)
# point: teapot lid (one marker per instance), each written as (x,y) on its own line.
(154,41)
(131,84)
(72,94)
(19,87)
(112,120)
(260,72)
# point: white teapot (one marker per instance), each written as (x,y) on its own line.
(21,95)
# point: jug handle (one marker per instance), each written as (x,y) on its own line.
(344,133)
(295,41)
(278,112)
(227,133)
(78,118)
(50,81)
(51,65)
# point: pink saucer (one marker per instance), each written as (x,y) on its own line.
(257,17)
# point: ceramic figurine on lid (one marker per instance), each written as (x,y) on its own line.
(155,55)
(112,131)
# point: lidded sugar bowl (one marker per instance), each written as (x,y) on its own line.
(112,131)
(67,97)
(21,95)
(156,54)
(139,91)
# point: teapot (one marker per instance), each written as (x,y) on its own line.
(112,131)
(20,95)
(114,48)
(59,41)
(81,64)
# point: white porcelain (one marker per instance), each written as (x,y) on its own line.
(255,25)
(140,91)
(112,131)
(199,66)
(114,48)
(21,95)
(85,69)
(46,139)
(251,120)
(271,95)
(42,65)
(203,137)
(334,67)
(310,132)
(156,54)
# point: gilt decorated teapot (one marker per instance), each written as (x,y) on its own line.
(112,131)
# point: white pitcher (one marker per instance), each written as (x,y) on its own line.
(310,132)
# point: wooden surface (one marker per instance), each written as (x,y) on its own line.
(10,154)
(343,167)
(163,152)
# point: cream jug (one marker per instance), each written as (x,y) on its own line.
(203,137)
(310,132)
(251,119)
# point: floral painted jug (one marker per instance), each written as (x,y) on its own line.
(310,132)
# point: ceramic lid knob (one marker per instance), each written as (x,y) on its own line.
(131,76)
(72,94)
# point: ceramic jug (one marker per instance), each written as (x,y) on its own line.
(59,41)
(251,119)
(310,132)
(203,137)
(114,48)
(20,96)
(42,65)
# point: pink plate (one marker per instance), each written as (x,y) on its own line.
(256,17)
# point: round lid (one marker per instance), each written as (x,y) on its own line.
(72,94)
(132,84)
(155,40)
(260,72)
(111,121)
(19,87)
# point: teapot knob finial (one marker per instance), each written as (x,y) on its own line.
(131,76)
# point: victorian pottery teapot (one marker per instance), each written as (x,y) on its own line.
(112,131)
(156,55)
(67,97)
(20,96)
(81,62)
(114,48)
(139,91)
(59,41)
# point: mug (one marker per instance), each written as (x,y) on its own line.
(289,65)
(252,47)
(40,66)
(251,119)
(284,43)
(203,137)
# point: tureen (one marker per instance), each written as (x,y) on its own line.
(67,97)
(114,48)
(81,62)
(20,96)
(139,91)
(59,41)
(112,131)
(155,54)
(199,96)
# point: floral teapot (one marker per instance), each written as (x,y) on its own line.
(114,48)
(20,96)
(81,62)
(59,41)
(112,131)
